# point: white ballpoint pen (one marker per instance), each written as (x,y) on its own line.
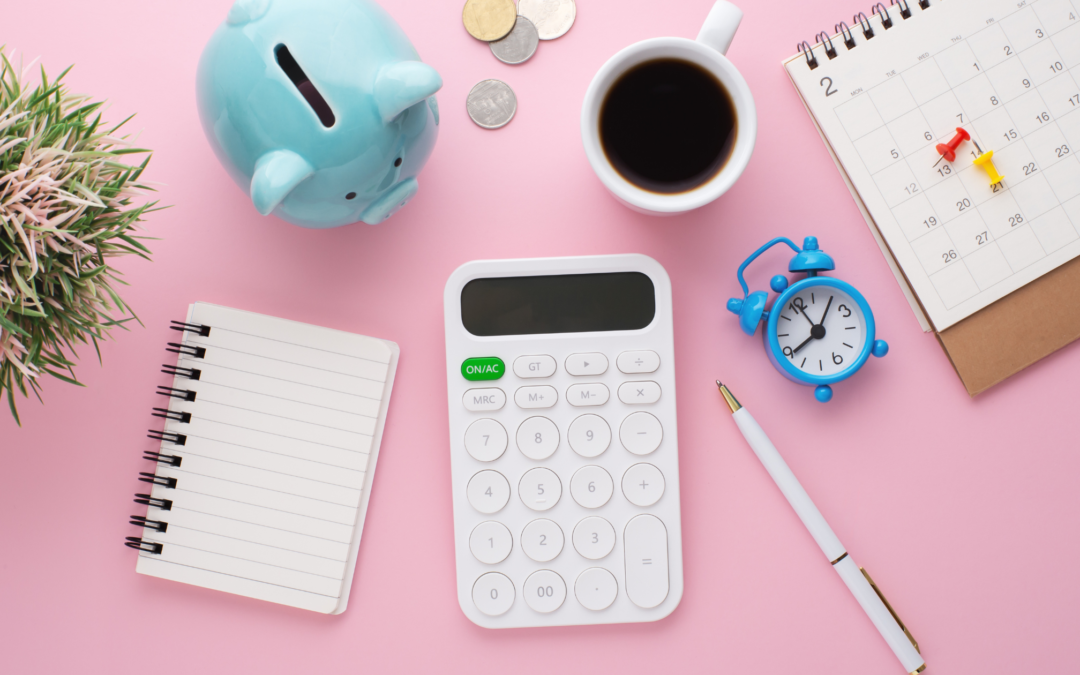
(858,581)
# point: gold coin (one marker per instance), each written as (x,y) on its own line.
(489,20)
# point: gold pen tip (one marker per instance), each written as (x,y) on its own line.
(719,384)
(732,402)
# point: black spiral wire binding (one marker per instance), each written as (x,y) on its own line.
(188,373)
(861,21)
(196,328)
(187,350)
(163,481)
(168,460)
(139,544)
(824,39)
(158,525)
(170,436)
(182,394)
(181,417)
(148,500)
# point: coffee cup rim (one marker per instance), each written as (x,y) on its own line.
(704,56)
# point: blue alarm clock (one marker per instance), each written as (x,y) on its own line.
(819,330)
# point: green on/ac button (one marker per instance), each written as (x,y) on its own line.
(486,368)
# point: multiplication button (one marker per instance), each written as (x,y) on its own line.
(488,491)
(544,591)
(641,433)
(493,594)
(639,393)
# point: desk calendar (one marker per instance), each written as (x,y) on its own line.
(563,441)
(1006,71)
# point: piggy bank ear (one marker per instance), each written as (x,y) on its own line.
(246,11)
(402,85)
(277,174)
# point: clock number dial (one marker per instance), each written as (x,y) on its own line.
(834,338)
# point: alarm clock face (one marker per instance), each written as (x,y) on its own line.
(820,332)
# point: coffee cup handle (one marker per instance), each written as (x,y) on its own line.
(720,26)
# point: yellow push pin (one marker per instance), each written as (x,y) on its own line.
(986,161)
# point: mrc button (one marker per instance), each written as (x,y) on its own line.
(486,368)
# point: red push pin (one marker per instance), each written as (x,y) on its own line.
(948,151)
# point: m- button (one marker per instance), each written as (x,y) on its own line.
(639,393)
(481,400)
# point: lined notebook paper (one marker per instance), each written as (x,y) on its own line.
(267,458)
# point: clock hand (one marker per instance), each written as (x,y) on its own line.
(805,342)
(826,313)
(806,315)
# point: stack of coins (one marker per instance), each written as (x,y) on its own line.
(514,33)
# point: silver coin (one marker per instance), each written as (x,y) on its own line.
(552,17)
(491,104)
(519,45)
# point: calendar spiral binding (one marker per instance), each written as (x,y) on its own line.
(176,439)
(844,35)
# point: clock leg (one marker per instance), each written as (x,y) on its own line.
(823,393)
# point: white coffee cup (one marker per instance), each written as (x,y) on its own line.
(707,52)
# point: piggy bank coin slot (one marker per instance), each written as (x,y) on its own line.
(305,86)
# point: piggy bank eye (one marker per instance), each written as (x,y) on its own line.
(397,162)
(351,195)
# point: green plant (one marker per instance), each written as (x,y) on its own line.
(67,206)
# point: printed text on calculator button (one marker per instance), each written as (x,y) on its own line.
(638,362)
(490,542)
(596,588)
(527,367)
(488,491)
(641,433)
(536,397)
(586,364)
(594,538)
(582,395)
(540,489)
(643,485)
(483,400)
(538,438)
(591,487)
(639,393)
(544,591)
(542,540)
(645,547)
(485,440)
(589,435)
(493,594)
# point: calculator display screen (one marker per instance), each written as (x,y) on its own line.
(565,303)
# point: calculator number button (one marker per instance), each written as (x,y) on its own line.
(538,438)
(542,540)
(491,542)
(641,433)
(545,591)
(643,485)
(645,546)
(591,487)
(540,489)
(582,395)
(484,400)
(586,364)
(596,589)
(488,491)
(528,367)
(639,393)
(536,397)
(493,594)
(589,435)
(485,440)
(594,538)
(638,362)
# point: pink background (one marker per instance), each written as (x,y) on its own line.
(965,511)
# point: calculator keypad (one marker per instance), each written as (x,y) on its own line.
(592,487)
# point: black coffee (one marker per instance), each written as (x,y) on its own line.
(668,126)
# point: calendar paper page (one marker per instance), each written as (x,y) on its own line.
(1004,70)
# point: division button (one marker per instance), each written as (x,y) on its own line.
(536,397)
(528,367)
(544,591)
(586,364)
(582,395)
(493,594)
(486,368)
(491,542)
(538,438)
(596,588)
(643,485)
(488,491)
(589,435)
(484,400)
(638,362)
(542,540)
(594,538)
(540,489)
(591,487)
(645,546)
(641,433)
(639,393)
(485,440)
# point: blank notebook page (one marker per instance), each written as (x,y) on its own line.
(271,490)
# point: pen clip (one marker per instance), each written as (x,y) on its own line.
(891,610)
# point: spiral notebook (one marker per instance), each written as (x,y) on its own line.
(986,267)
(268,450)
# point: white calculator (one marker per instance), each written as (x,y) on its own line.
(563,442)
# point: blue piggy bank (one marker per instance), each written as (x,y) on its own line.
(320,109)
